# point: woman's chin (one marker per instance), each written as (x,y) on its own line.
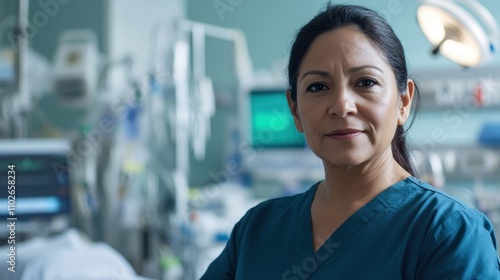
(344,162)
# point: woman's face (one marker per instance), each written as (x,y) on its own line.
(348,105)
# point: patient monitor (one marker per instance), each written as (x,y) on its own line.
(41,180)
(271,124)
(279,152)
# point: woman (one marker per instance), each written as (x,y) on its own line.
(370,218)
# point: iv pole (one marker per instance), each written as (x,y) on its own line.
(21,101)
(182,93)
(189,93)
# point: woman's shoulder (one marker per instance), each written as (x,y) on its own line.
(436,197)
(458,241)
(443,208)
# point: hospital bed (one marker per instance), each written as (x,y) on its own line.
(68,255)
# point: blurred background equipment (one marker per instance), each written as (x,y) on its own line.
(43,186)
(280,163)
(463,31)
(191,93)
(76,67)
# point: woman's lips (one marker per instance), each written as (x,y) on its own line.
(344,134)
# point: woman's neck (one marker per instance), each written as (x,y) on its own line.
(356,185)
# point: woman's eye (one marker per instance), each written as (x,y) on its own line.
(316,87)
(366,83)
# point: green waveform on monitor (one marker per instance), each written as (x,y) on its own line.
(23,164)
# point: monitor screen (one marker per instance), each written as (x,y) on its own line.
(41,187)
(272,124)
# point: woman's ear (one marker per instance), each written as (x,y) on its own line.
(294,111)
(405,102)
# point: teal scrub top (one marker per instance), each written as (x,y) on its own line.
(409,231)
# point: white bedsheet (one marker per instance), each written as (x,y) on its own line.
(67,256)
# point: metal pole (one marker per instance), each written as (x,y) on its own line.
(181,78)
(21,69)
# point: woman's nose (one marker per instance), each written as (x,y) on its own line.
(342,103)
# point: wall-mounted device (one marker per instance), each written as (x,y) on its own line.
(76,67)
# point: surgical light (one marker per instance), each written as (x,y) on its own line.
(463,31)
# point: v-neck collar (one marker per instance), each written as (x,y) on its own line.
(380,204)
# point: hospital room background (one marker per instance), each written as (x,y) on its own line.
(135,134)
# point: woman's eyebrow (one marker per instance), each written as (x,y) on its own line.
(359,68)
(351,71)
(316,72)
